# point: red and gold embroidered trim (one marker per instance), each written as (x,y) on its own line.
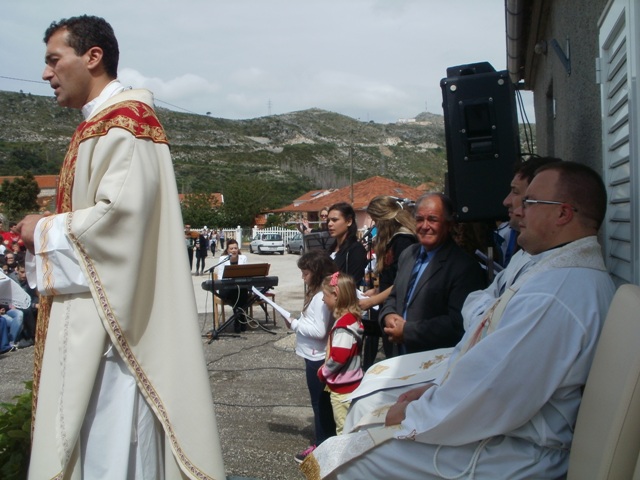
(47,269)
(136,117)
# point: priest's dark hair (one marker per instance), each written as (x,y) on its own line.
(85,32)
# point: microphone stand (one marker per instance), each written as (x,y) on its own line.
(211,333)
(210,270)
(371,328)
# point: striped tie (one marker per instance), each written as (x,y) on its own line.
(422,257)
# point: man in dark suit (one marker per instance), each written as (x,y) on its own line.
(434,278)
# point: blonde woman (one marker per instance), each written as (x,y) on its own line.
(396,231)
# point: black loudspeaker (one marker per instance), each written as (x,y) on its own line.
(481,128)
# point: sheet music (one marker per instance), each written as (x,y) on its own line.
(280,310)
(361,295)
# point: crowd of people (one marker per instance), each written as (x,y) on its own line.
(199,244)
(419,306)
(17,325)
(427,292)
(437,299)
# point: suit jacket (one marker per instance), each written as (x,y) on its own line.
(434,318)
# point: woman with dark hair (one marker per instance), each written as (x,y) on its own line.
(235,256)
(312,331)
(233,297)
(396,230)
(348,253)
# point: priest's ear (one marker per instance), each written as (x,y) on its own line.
(93,60)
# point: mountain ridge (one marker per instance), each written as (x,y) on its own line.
(291,153)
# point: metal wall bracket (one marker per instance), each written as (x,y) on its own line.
(565,59)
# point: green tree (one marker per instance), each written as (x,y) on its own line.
(199,209)
(20,196)
(274,221)
(244,198)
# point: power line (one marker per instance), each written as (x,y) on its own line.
(23,80)
(157,100)
(47,83)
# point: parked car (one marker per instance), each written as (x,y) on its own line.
(296,244)
(267,243)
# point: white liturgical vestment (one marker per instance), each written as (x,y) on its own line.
(123,391)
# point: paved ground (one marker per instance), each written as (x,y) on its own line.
(260,395)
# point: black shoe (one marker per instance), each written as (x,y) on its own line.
(24,343)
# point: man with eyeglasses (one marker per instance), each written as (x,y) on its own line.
(507,403)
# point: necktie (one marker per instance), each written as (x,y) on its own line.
(422,257)
(511,248)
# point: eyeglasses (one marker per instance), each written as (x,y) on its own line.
(526,202)
(324,216)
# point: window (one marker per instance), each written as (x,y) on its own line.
(618,58)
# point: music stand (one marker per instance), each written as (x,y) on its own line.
(317,241)
(246,270)
(242,271)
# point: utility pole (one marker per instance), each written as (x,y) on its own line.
(351,169)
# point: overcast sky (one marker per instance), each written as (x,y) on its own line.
(377,60)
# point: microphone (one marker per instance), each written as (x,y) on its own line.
(222,260)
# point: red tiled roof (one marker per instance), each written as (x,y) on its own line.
(312,195)
(43,181)
(215,198)
(260,220)
(363,193)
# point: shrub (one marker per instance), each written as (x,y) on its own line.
(15,436)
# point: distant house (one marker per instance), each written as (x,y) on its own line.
(363,193)
(49,190)
(215,199)
(48,185)
(311,196)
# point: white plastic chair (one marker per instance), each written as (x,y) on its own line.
(606,441)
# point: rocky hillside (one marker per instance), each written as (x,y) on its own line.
(288,154)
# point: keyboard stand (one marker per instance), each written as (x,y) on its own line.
(237,314)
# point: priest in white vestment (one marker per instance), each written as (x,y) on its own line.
(120,392)
(508,401)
